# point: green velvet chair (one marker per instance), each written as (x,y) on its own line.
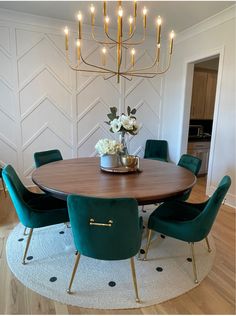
(34,210)
(193,164)
(105,229)
(156,149)
(43,157)
(188,221)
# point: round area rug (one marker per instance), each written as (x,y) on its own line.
(105,284)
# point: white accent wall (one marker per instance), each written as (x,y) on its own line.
(216,35)
(45,105)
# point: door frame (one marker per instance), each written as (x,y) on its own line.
(189,68)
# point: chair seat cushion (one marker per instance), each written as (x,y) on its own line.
(170,219)
(45,202)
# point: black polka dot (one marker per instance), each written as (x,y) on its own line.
(189,259)
(144,211)
(142,251)
(112,283)
(163,236)
(21,239)
(143,227)
(159,269)
(52,279)
(61,232)
(29,258)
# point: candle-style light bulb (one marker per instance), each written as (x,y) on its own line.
(104,51)
(66,31)
(107,19)
(78,44)
(92,10)
(172,35)
(132,56)
(158,52)
(79,17)
(145,17)
(120,12)
(131,20)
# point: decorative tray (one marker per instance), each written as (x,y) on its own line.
(121,169)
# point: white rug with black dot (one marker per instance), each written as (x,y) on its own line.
(105,284)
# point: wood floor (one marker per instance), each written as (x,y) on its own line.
(215,295)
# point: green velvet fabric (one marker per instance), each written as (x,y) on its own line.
(156,149)
(120,241)
(34,210)
(187,221)
(43,157)
(193,164)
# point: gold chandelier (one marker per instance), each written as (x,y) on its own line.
(120,43)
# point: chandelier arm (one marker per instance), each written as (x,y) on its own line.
(109,77)
(130,79)
(98,67)
(131,35)
(88,70)
(139,74)
(100,42)
(155,62)
(137,43)
(108,36)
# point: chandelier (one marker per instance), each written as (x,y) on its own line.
(121,43)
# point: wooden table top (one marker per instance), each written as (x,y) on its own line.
(157,182)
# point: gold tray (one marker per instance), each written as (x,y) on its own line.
(120,169)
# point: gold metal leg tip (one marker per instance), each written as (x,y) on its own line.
(209,250)
(68,291)
(138,300)
(23,262)
(196,281)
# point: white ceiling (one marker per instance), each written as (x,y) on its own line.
(177,15)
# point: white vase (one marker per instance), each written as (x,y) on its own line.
(109,161)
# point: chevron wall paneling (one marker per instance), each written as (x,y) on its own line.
(45,105)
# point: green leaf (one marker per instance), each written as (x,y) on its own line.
(128,110)
(111,116)
(111,130)
(133,111)
(113,110)
(107,122)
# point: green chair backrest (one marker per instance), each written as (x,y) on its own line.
(156,149)
(119,241)
(191,163)
(44,157)
(205,220)
(18,193)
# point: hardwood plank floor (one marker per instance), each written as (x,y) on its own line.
(215,295)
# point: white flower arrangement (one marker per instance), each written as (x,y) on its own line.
(108,147)
(123,123)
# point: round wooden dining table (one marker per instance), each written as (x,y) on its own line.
(158,181)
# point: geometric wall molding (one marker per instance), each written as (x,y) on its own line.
(45,105)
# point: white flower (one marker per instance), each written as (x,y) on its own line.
(127,122)
(108,147)
(115,125)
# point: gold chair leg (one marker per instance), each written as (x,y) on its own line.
(208,244)
(73,272)
(148,244)
(134,279)
(27,244)
(4,188)
(24,233)
(194,263)
(67,225)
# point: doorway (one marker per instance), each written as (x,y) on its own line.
(201,85)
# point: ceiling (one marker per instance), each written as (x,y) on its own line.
(177,15)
